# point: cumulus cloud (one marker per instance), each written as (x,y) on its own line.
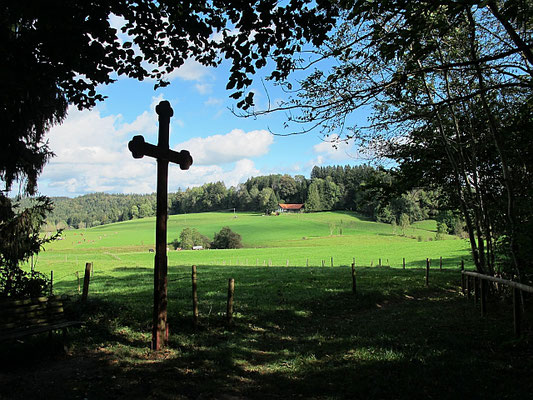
(234,146)
(334,149)
(92,156)
(213,101)
(197,175)
(191,70)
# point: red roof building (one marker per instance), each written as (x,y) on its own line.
(290,207)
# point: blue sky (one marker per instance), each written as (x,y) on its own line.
(91,145)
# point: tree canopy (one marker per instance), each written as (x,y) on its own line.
(447,86)
(58,52)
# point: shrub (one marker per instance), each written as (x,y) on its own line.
(19,284)
(226,239)
(442,229)
(404,223)
(190,237)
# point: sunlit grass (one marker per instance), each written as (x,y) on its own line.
(299,332)
(294,240)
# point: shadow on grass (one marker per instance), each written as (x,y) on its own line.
(299,333)
(132,269)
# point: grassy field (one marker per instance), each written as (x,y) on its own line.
(299,331)
(299,239)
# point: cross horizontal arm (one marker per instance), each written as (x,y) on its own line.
(139,148)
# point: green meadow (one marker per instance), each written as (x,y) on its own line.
(287,239)
(298,332)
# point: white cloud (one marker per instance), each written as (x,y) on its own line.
(197,175)
(334,150)
(191,70)
(234,146)
(213,101)
(319,160)
(204,88)
(92,156)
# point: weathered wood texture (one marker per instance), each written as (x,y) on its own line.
(481,290)
(86,280)
(20,318)
(139,148)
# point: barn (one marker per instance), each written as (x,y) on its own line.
(291,207)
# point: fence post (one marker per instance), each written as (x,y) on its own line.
(468,287)
(463,276)
(427,271)
(404,263)
(51,283)
(380,262)
(332,261)
(307,263)
(354,282)
(78,277)
(517,312)
(483,296)
(231,292)
(476,290)
(86,279)
(440,263)
(194,297)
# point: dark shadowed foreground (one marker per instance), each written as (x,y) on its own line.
(298,333)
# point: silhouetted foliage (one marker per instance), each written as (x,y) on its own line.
(20,233)
(62,52)
(447,86)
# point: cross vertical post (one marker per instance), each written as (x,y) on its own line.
(164,155)
(160,327)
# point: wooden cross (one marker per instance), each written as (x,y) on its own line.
(139,148)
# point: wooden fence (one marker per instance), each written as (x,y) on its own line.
(480,285)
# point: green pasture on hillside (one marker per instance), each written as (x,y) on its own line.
(288,239)
(298,332)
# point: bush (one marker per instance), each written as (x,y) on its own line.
(20,238)
(404,223)
(226,239)
(190,237)
(19,284)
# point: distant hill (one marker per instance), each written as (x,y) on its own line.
(371,192)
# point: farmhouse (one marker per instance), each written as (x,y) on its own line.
(291,207)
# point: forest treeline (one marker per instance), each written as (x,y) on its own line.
(373,192)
